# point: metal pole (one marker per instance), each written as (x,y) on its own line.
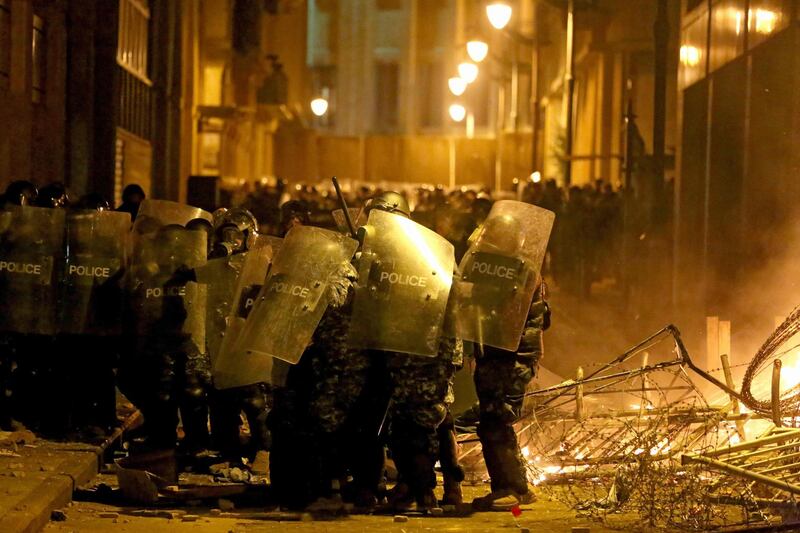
(661,34)
(630,129)
(535,91)
(777,419)
(569,80)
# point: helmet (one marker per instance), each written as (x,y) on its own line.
(21,192)
(201,224)
(295,209)
(241,218)
(133,193)
(501,234)
(53,195)
(390,201)
(94,201)
(219,216)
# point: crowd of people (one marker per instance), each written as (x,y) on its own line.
(321,427)
(585,246)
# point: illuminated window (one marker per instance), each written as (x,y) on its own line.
(727,31)
(766,17)
(37,59)
(694,49)
(133,34)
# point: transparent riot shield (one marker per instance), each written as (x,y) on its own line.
(293,299)
(357,216)
(220,278)
(31,243)
(499,273)
(160,298)
(233,368)
(167,212)
(90,288)
(404,280)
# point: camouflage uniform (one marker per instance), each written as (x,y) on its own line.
(419,388)
(342,381)
(165,371)
(501,380)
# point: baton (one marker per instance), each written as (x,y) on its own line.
(344,207)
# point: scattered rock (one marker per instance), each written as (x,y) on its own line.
(449,508)
(215,512)
(218,468)
(17,473)
(225,505)
(108,515)
(238,475)
(190,518)
(58,515)
(400,519)
(437,511)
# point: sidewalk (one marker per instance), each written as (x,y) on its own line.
(37,478)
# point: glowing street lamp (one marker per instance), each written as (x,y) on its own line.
(319,106)
(468,71)
(536,176)
(457,112)
(477,50)
(457,85)
(499,14)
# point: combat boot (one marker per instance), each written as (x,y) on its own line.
(452,492)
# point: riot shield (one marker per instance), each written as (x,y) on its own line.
(404,280)
(90,288)
(233,368)
(31,242)
(167,212)
(499,273)
(160,299)
(293,299)
(220,277)
(357,216)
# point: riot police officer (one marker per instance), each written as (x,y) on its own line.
(18,193)
(499,307)
(403,266)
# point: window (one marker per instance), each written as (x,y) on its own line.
(694,49)
(387,85)
(766,17)
(38,58)
(132,37)
(430,94)
(727,32)
(5,40)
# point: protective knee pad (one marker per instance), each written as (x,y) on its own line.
(428,416)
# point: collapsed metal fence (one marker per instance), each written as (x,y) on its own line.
(638,439)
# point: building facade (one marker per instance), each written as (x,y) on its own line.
(739,157)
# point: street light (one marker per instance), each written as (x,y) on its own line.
(457,112)
(319,106)
(499,14)
(477,50)
(457,85)
(468,71)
